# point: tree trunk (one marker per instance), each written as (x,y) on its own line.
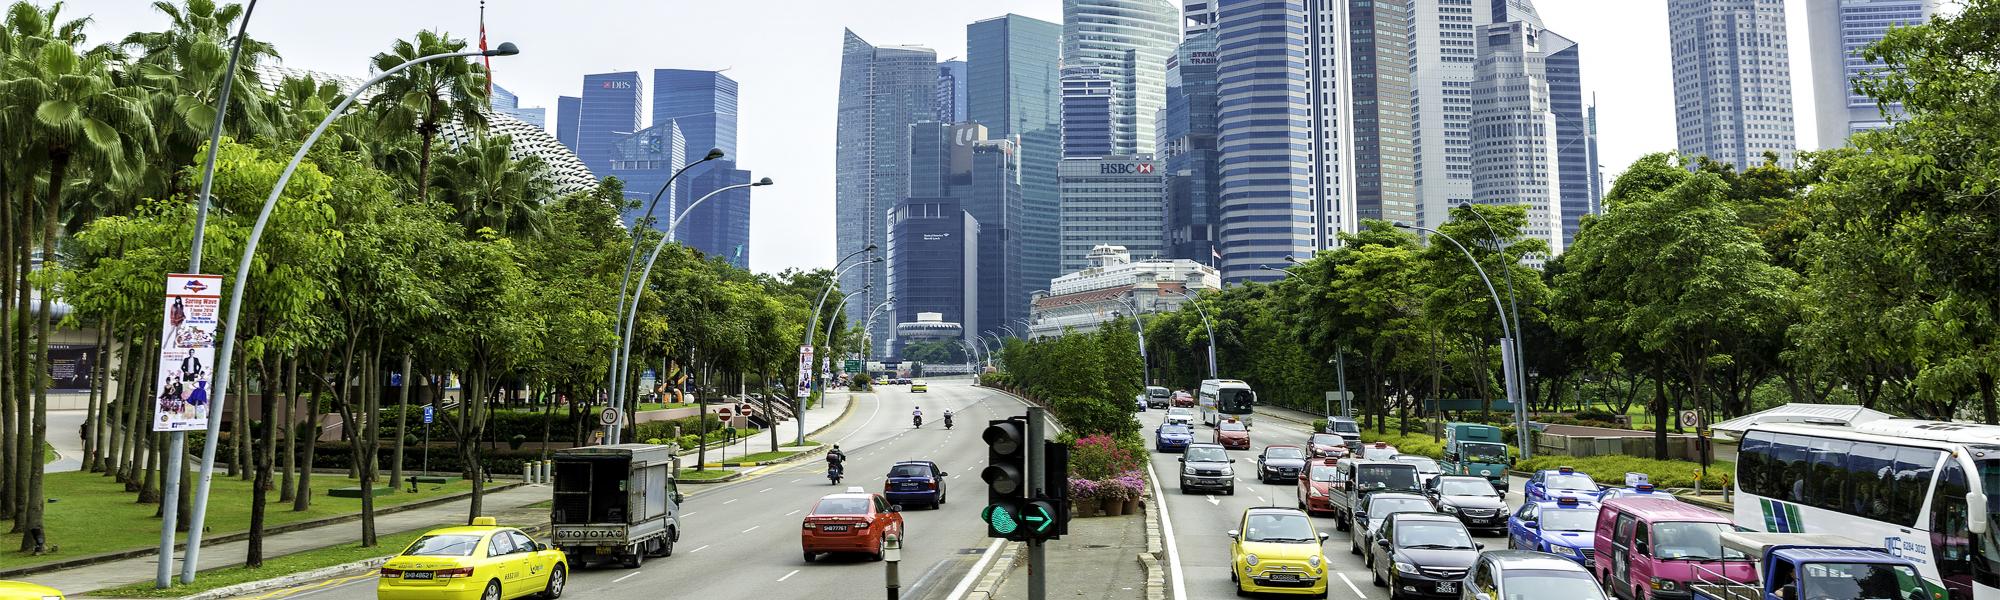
(94,409)
(402,423)
(114,408)
(290,452)
(38,429)
(302,499)
(11,346)
(1659,406)
(240,439)
(18,398)
(366,441)
(473,388)
(1986,399)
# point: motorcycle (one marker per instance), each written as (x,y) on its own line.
(947,421)
(833,474)
(917,420)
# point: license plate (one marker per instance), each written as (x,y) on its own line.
(603,549)
(1448,586)
(1284,577)
(833,528)
(418,574)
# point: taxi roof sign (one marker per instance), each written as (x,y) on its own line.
(1566,470)
(855,489)
(1644,488)
(1381,444)
(1566,501)
(485,522)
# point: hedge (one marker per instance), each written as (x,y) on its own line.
(1663,473)
(690,427)
(500,424)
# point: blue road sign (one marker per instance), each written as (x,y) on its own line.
(429,412)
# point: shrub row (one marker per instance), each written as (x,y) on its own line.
(1611,470)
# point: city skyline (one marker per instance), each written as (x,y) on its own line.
(1626,67)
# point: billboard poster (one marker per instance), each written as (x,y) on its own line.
(187,352)
(71,367)
(805,371)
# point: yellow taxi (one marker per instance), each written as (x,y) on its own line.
(1277,551)
(482,561)
(22,590)
(918,387)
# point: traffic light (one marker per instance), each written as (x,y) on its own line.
(1055,486)
(1006,479)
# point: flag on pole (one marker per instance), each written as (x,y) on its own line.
(487,59)
(1214,256)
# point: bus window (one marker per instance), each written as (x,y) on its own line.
(1914,467)
(1750,458)
(1824,487)
(1951,540)
(1870,487)
(1793,458)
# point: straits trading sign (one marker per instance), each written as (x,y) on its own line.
(1137,168)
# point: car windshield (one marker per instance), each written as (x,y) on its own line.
(1692,541)
(1484,452)
(1345,427)
(909,471)
(1232,426)
(1391,477)
(1543,583)
(1175,430)
(1466,487)
(1178,412)
(1283,452)
(1382,507)
(443,545)
(1569,519)
(1328,439)
(1323,473)
(1209,454)
(1424,464)
(841,506)
(1278,528)
(1861,581)
(1157,392)
(1434,534)
(1578,481)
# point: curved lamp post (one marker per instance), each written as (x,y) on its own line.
(616,428)
(228,342)
(1507,361)
(989,349)
(1205,325)
(829,350)
(1010,331)
(617,374)
(1513,307)
(1139,326)
(813,326)
(869,325)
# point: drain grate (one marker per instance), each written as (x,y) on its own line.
(971,550)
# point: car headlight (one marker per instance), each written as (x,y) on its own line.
(1318,494)
(1313,562)
(1406,568)
(1565,550)
(1449,509)
(1250,559)
(1663,584)
(1229,471)
(52,598)
(1187,470)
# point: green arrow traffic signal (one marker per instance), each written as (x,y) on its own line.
(1043,520)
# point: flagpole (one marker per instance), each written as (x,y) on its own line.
(488,59)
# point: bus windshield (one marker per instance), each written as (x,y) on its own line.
(1234,402)
(1859,580)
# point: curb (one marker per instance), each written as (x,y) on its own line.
(1156,574)
(1282,417)
(1707,503)
(723,479)
(276,583)
(996,573)
(96,559)
(837,420)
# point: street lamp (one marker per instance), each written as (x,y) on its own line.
(228,343)
(1009,330)
(1507,360)
(813,325)
(1513,307)
(989,349)
(1205,325)
(871,314)
(1139,325)
(623,362)
(618,358)
(814,367)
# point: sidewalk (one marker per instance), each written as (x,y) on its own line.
(1097,559)
(509,506)
(817,418)
(64,426)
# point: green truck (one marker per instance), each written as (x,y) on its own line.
(1478,450)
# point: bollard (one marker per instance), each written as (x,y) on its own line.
(528,471)
(892,553)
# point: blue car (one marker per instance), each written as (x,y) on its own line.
(1566,527)
(1172,437)
(1549,484)
(915,482)
(1643,489)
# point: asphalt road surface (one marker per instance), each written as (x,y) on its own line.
(742,538)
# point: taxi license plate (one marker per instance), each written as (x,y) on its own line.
(1448,587)
(833,528)
(1284,577)
(418,574)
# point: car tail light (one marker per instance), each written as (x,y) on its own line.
(807,525)
(931,484)
(861,525)
(454,573)
(392,573)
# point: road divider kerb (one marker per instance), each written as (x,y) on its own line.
(997,571)
(1156,575)
(336,575)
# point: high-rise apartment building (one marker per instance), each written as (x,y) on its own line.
(1089,110)
(883,90)
(1839,29)
(1111,200)
(1514,127)
(1128,42)
(1286,141)
(951,92)
(1187,145)
(1385,184)
(505,102)
(703,105)
(1732,80)
(1012,63)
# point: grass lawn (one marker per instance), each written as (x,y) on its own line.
(275,567)
(762,456)
(704,475)
(48,453)
(92,514)
(664,406)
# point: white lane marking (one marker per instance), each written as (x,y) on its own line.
(629,576)
(728,501)
(704,547)
(871,418)
(752,528)
(795,480)
(791,513)
(763,490)
(1166,531)
(687,514)
(1212,500)
(789,575)
(965,583)
(1261,500)
(1351,586)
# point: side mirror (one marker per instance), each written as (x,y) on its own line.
(1233,533)
(1479,545)
(1323,535)
(943,474)
(1383,543)
(1530,524)
(1232,460)
(895,508)
(1183,459)
(679,498)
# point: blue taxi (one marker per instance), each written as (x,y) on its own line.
(1548,484)
(1565,527)
(1643,489)
(1172,437)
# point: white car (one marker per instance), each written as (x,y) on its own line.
(1427,469)
(1180,415)
(1378,451)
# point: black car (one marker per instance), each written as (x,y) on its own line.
(1470,498)
(1375,509)
(1423,555)
(1206,466)
(1280,464)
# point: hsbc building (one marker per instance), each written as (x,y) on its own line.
(1112,200)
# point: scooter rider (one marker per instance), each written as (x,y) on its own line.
(947,418)
(834,459)
(917,417)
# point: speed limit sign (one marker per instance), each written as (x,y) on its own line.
(1690,419)
(608,416)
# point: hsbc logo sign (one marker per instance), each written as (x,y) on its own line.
(615,85)
(1125,169)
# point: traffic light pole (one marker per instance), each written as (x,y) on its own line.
(1038,575)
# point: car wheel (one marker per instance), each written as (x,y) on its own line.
(810,556)
(880,549)
(1230,492)
(1340,522)
(557,579)
(1354,546)
(492,591)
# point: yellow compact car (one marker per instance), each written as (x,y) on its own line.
(481,562)
(1277,551)
(22,590)
(918,387)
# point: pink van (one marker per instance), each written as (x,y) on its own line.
(1652,547)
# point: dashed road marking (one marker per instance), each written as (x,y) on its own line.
(763,490)
(791,513)
(704,547)
(752,528)
(789,575)
(629,576)
(1351,586)
(730,500)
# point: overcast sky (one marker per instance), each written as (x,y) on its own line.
(786,56)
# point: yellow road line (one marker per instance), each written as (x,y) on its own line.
(323,584)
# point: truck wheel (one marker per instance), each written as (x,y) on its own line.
(635,557)
(557,579)
(667,545)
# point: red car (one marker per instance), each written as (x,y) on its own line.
(1183,399)
(1233,435)
(1316,486)
(853,521)
(1327,445)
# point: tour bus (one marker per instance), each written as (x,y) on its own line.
(1225,399)
(1903,483)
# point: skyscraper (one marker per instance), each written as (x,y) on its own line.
(644,160)
(1286,148)
(1385,185)
(609,109)
(1514,128)
(1111,200)
(505,102)
(933,252)
(1128,42)
(1187,131)
(951,92)
(568,111)
(1444,48)
(1577,186)
(958,161)
(1732,80)
(883,90)
(1089,110)
(1012,63)
(1838,30)
(703,104)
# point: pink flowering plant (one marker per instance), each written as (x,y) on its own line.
(1100,458)
(1127,486)
(1084,489)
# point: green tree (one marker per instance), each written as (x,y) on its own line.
(425,97)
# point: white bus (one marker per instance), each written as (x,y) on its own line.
(1916,487)
(1224,399)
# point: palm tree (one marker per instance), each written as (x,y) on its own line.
(81,120)
(425,97)
(183,66)
(491,189)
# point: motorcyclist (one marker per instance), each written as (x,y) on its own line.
(917,417)
(947,418)
(834,459)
